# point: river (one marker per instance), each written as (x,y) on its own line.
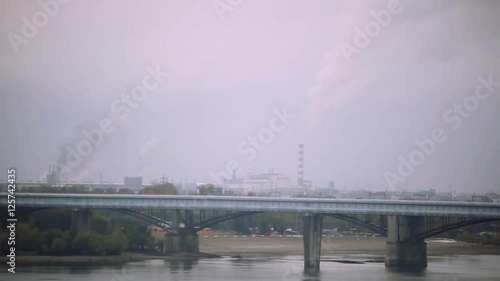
(265,267)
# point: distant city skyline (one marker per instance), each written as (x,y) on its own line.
(339,187)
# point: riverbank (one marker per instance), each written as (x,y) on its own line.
(331,245)
(29,258)
(214,246)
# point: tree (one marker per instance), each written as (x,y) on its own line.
(98,190)
(191,243)
(58,246)
(164,189)
(115,243)
(28,238)
(80,244)
(50,219)
(264,227)
(73,189)
(96,244)
(110,190)
(241,225)
(139,238)
(46,239)
(206,189)
(100,224)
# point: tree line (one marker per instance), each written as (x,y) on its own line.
(52,232)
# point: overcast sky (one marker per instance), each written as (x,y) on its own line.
(358,108)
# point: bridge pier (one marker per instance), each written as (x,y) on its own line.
(171,243)
(313,227)
(171,239)
(189,241)
(401,249)
(181,242)
(81,221)
(178,240)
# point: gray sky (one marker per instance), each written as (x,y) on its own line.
(231,64)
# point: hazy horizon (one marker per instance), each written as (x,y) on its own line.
(220,83)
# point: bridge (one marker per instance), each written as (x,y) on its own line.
(406,224)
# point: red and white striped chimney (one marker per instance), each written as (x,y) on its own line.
(300,166)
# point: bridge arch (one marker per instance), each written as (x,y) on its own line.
(163,224)
(447,227)
(158,222)
(380,229)
(214,221)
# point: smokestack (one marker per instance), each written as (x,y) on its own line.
(300,166)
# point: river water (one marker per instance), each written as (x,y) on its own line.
(265,267)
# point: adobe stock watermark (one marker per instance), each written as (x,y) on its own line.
(121,276)
(255,143)
(30,28)
(363,37)
(224,6)
(120,107)
(453,116)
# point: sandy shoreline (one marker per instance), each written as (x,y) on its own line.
(220,245)
(330,245)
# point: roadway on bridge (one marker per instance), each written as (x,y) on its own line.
(257,204)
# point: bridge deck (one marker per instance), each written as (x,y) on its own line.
(259,204)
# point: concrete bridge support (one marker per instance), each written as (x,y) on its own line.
(401,249)
(171,240)
(182,242)
(81,221)
(179,240)
(313,227)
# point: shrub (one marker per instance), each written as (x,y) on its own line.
(96,245)
(80,244)
(58,246)
(115,243)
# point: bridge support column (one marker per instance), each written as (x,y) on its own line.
(181,242)
(313,227)
(188,218)
(171,242)
(81,221)
(401,249)
(189,240)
